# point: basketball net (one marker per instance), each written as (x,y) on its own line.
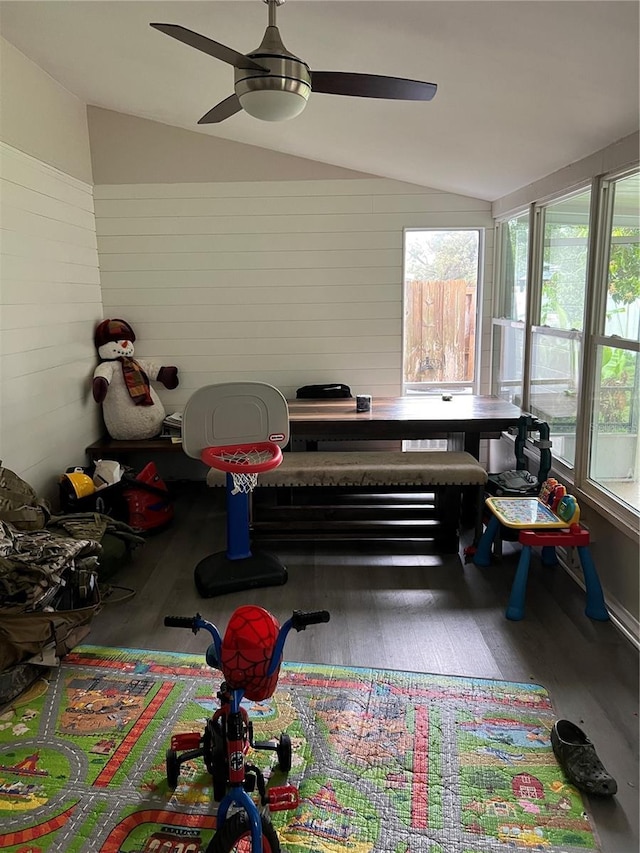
(244,481)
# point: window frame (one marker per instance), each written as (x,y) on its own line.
(498,300)
(619,513)
(535,326)
(460,387)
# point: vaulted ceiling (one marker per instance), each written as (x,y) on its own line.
(524,88)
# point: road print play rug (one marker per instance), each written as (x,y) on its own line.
(385,761)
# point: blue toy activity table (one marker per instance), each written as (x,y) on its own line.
(538,525)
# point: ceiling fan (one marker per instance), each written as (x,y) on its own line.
(272,84)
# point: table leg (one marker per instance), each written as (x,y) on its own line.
(482,557)
(515,608)
(596,608)
(472,444)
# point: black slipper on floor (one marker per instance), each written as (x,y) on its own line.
(577,757)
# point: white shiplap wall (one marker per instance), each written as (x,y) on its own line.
(286,282)
(50,300)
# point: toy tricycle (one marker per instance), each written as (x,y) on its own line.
(249,657)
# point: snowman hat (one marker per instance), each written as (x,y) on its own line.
(113,330)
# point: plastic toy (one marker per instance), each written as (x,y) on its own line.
(548,521)
(213,419)
(149,503)
(249,657)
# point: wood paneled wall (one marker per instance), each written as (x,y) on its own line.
(286,282)
(49,302)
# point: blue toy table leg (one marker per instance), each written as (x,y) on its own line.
(515,608)
(549,557)
(482,557)
(596,608)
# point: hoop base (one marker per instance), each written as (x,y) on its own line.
(218,575)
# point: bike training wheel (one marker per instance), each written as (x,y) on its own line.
(173,768)
(283,751)
(235,836)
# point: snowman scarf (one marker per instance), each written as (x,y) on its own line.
(137,381)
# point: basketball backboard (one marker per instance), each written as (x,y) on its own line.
(234,413)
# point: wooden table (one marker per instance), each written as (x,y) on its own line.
(419,416)
(465,416)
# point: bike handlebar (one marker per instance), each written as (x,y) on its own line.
(299,621)
(301,618)
(183,622)
(194,623)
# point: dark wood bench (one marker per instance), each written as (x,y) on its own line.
(367,494)
(109,448)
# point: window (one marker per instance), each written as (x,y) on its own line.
(573,358)
(556,343)
(511,309)
(613,457)
(513,269)
(441,271)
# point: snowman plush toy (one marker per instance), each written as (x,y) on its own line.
(130,407)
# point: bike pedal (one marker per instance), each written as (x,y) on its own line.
(282,797)
(189,740)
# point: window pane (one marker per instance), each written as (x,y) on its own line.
(564,273)
(615,459)
(441,280)
(623,290)
(513,274)
(554,386)
(508,360)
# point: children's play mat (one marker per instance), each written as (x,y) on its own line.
(385,761)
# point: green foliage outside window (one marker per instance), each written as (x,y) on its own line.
(624,267)
(564,276)
(617,389)
(441,256)
(618,377)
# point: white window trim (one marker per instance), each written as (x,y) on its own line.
(619,514)
(474,383)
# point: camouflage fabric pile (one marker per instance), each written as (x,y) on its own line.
(19,502)
(50,561)
(37,566)
(49,572)
(93,525)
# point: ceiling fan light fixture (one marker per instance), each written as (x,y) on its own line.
(278,95)
(274,104)
(272,84)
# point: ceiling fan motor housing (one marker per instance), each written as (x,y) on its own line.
(283,91)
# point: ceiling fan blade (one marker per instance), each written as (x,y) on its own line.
(229,107)
(206,45)
(371,86)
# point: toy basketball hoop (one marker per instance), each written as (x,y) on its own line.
(244,462)
(238,428)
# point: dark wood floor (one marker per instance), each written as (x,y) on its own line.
(396,605)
